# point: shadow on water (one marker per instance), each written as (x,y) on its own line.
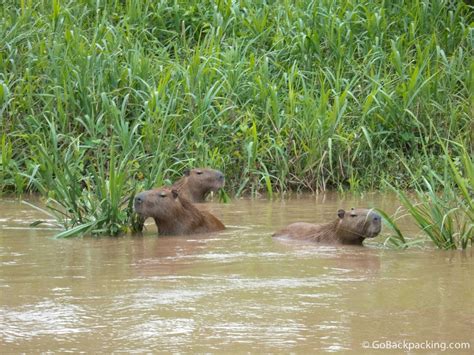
(233,291)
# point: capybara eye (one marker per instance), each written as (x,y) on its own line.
(199,172)
(162,194)
(353,215)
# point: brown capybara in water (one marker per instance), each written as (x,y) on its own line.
(197,183)
(174,214)
(349,228)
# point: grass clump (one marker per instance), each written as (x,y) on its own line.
(443,206)
(88,197)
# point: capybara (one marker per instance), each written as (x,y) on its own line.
(197,183)
(349,228)
(174,214)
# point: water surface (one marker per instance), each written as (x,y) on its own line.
(233,291)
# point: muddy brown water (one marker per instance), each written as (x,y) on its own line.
(233,291)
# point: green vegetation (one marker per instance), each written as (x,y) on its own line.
(103,98)
(445,207)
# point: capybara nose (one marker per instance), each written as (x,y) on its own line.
(220,176)
(376,217)
(138,199)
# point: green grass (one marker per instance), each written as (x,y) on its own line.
(443,205)
(99,99)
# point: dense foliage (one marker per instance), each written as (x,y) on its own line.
(99,98)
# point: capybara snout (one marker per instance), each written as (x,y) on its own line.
(374,227)
(210,175)
(141,202)
(156,203)
(220,177)
(209,178)
(138,200)
(360,221)
(197,183)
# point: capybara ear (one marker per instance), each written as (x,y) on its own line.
(187,172)
(341,213)
(175,193)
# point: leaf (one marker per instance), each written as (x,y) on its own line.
(35,223)
(76,231)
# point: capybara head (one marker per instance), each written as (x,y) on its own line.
(161,204)
(174,214)
(197,183)
(357,224)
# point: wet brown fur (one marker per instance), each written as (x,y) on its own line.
(174,214)
(197,183)
(352,228)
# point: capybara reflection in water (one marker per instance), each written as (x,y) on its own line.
(349,228)
(174,214)
(197,183)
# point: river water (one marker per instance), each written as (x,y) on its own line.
(234,291)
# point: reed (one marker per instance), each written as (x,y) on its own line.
(443,206)
(302,95)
